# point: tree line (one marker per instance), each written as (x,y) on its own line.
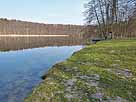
(23,27)
(111,16)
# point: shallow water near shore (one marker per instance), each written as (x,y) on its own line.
(21,71)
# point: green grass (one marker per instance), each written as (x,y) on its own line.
(103,72)
(3,50)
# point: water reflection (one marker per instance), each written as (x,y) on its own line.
(16,43)
(21,70)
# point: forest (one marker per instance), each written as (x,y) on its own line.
(30,28)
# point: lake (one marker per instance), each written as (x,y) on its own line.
(21,70)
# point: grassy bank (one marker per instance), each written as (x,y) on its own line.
(3,50)
(105,72)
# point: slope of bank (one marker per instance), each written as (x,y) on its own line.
(105,72)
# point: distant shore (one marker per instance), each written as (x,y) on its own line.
(15,35)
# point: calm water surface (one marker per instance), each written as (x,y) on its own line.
(20,71)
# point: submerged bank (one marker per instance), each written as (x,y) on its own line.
(102,72)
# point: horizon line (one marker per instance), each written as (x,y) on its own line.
(28,21)
(16,35)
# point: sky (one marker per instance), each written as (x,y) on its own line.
(44,11)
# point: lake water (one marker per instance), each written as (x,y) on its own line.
(21,70)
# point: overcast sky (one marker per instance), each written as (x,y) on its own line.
(46,11)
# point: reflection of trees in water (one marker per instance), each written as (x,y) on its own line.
(28,28)
(15,43)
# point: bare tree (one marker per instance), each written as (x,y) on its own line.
(110,15)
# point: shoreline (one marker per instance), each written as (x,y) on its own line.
(15,35)
(96,73)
